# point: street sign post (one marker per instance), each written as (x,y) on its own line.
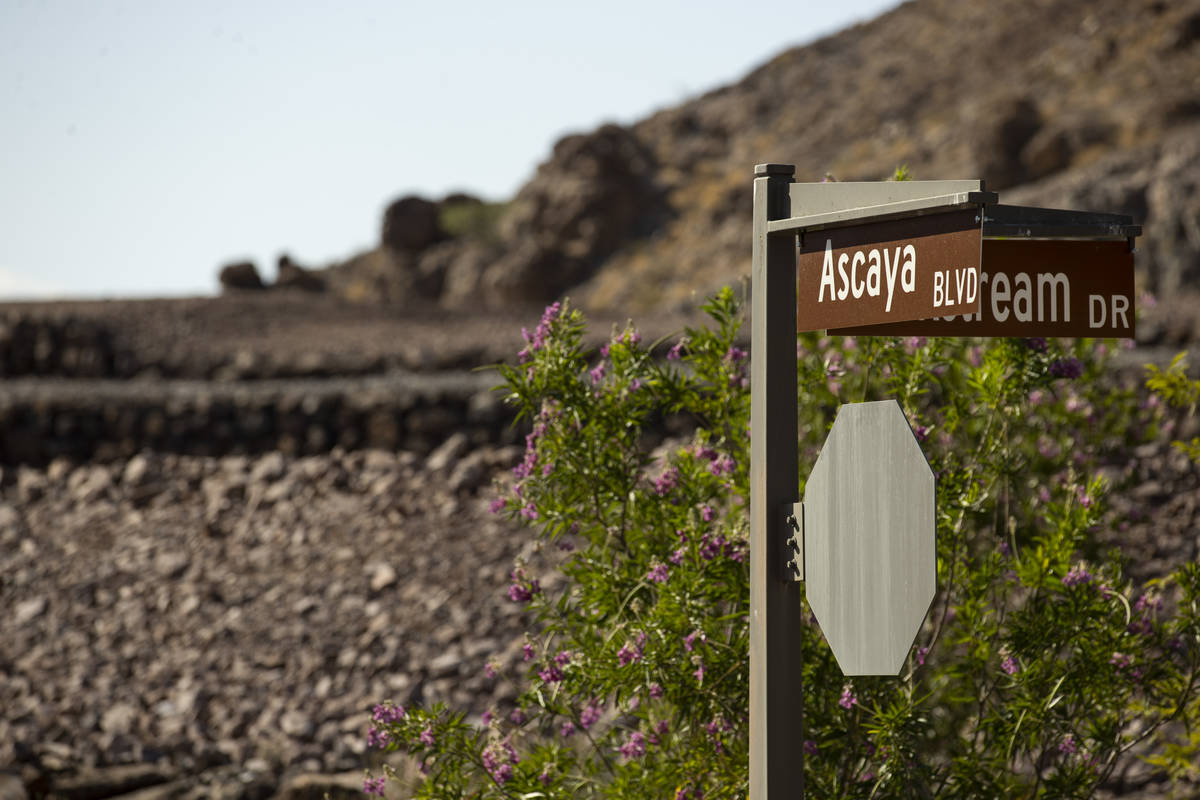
(881,258)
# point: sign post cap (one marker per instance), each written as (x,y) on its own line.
(774,169)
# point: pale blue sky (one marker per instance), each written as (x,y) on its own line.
(143,144)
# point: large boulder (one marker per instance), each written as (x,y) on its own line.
(410,224)
(1004,131)
(595,194)
(240,276)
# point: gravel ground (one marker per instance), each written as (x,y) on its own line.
(203,614)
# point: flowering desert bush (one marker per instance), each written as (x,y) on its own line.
(1040,670)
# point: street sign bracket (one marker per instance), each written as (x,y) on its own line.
(793,559)
(1031,222)
(901,209)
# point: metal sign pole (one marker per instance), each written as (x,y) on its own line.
(776,694)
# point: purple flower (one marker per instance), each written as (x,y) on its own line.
(562,658)
(658,573)
(498,761)
(590,714)
(635,384)
(713,546)
(1066,368)
(375,785)
(706,513)
(810,747)
(517,717)
(1036,343)
(689,641)
(662,727)
(377,738)
(735,354)
(497,505)
(676,352)
(921,653)
(551,674)
(629,654)
(538,340)
(426,736)
(848,700)
(1004,549)
(522,590)
(1067,746)
(486,717)
(529,511)
(1009,665)
(527,651)
(597,373)
(677,556)
(1147,603)
(716,726)
(722,465)
(656,691)
(699,673)
(635,747)
(1120,661)
(921,433)
(387,712)
(1077,575)
(567,729)
(667,481)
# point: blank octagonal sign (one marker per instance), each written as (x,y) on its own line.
(870,559)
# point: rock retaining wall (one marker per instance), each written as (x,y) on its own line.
(42,419)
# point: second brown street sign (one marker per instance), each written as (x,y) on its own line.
(890,271)
(1039,288)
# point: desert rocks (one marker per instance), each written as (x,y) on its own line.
(246,615)
(410,224)
(240,276)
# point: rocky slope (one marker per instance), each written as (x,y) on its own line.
(1092,105)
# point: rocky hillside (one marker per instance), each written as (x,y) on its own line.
(1093,105)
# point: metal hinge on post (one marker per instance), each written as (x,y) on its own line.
(793,558)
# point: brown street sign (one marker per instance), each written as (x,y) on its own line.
(1039,288)
(890,271)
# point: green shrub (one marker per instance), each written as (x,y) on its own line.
(1040,670)
(471,219)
